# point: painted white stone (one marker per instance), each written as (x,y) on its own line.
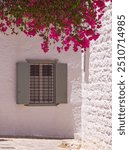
(96,94)
(47,121)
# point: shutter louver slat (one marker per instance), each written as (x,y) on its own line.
(61,83)
(23,77)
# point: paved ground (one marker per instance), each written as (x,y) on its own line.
(37,144)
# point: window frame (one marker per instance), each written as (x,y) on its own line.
(55,99)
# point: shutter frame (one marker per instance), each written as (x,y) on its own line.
(23,77)
(61,83)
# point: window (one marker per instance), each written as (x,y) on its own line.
(41,82)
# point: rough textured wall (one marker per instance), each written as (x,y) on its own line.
(97,94)
(46,121)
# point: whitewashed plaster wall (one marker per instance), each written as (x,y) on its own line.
(97,93)
(62,121)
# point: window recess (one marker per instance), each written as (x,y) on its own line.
(41,82)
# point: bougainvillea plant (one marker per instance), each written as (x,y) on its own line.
(66,23)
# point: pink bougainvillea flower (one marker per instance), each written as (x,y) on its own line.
(19,22)
(85,43)
(94,37)
(53,34)
(61,22)
(100,3)
(44,46)
(31,24)
(66,48)
(58,49)
(75,48)
(89,32)
(3,29)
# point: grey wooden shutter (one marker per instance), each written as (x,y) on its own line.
(22,83)
(61,83)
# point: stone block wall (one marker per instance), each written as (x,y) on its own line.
(97,93)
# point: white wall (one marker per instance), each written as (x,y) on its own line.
(90,115)
(96,102)
(47,121)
